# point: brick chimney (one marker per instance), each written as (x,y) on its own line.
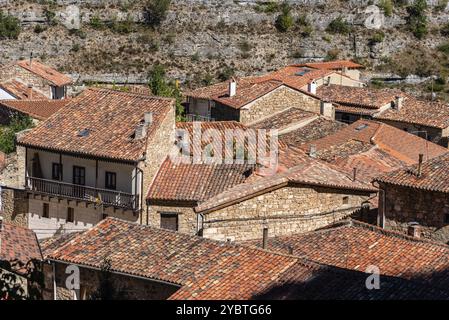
(327,109)
(30,91)
(414,230)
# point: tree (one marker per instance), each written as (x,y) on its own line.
(285,20)
(11,284)
(106,289)
(417,19)
(19,122)
(339,25)
(9,26)
(156,11)
(160,86)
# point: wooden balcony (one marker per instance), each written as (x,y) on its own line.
(103,197)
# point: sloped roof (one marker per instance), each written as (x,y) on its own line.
(283,119)
(355,245)
(18,243)
(37,109)
(108,117)
(426,113)
(434,175)
(332,65)
(20,90)
(46,72)
(195,182)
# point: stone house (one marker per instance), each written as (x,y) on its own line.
(16,89)
(346,67)
(35,76)
(94,158)
(150,263)
(417,197)
(253,98)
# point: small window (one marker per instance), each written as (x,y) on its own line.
(169,221)
(70,215)
(105,215)
(79,175)
(46,210)
(345,200)
(56,171)
(110,180)
(446,218)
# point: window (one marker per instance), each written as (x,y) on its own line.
(56,171)
(446,218)
(46,210)
(169,221)
(79,175)
(345,200)
(105,215)
(110,180)
(70,215)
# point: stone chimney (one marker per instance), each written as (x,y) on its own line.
(30,91)
(232,91)
(312,151)
(327,110)
(141,129)
(414,230)
(148,118)
(265,237)
(311,87)
(398,103)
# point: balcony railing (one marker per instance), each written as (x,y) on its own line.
(78,192)
(194,117)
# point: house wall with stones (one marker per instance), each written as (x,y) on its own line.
(285,211)
(278,100)
(158,148)
(86,215)
(14,206)
(187,218)
(404,205)
(29,78)
(125,287)
(436,135)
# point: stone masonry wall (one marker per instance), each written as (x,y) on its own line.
(276,101)
(125,287)
(429,209)
(285,211)
(187,222)
(26,77)
(159,147)
(14,207)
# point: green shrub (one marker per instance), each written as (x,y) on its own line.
(50,16)
(9,26)
(332,54)
(284,21)
(387,7)
(444,48)
(156,11)
(18,123)
(304,25)
(244,46)
(96,23)
(269,7)
(226,73)
(339,25)
(377,37)
(39,28)
(417,19)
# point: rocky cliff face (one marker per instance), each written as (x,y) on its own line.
(201,39)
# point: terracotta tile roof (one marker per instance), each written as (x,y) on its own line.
(355,110)
(195,182)
(361,97)
(206,269)
(434,175)
(314,130)
(306,171)
(18,243)
(332,65)
(37,109)
(355,245)
(20,90)
(44,71)
(100,123)
(426,113)
(284,119)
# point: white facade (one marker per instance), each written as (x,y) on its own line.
(5,95)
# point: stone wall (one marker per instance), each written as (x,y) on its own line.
(14,207)
(29,78)
(187,221)
(159,146)
(125,287)
(278,100)
(430,209)
(86,215)
(285,211)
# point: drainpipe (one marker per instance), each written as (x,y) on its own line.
(54,281)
